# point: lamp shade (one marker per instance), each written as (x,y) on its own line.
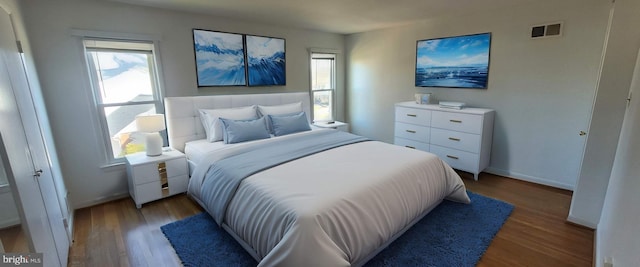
(150,123)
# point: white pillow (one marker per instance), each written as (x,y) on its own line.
(286,109)
(280,109)
(210,119)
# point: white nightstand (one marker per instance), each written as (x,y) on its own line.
(153,178)
(338,125)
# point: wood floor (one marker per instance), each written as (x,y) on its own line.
(13,239)
(536,234)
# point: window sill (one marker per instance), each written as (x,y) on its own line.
(115,166)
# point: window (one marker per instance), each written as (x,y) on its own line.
(323,84)
(125,84)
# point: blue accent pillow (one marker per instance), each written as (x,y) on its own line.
(288,124)
(236,131)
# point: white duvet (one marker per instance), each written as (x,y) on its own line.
(334,208)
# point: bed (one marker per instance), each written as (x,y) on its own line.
(310,198)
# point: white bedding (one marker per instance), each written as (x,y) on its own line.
(336,207)
(196,150)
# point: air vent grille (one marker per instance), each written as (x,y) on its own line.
(546,30)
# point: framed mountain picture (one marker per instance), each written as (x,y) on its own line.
(219,58)
(266,64)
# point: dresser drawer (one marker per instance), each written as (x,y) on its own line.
(457,159)
(411,144)
(412,132)
(458,140)
(153,190)
(468,123)
(150,172)
(413,116)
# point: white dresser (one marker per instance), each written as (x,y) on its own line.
(462,138)
(153,178)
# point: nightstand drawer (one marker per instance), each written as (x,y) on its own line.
(457,159)
(150,172)
(412,132)
(153,191)
(411,144)
(468,123)
(458,140)
(413,116)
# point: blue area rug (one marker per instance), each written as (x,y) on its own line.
(453,234)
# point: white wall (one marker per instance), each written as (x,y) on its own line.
(59,60)
(8,210)
(542,90)
(609,108)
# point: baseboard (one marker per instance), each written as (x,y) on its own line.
(101,200)
(528,178)
(9,222)
(580,221)
(70,221)
(597,258)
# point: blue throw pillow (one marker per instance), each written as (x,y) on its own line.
(288,124)
(236,131)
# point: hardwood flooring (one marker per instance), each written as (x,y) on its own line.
(13,239)
(536,233)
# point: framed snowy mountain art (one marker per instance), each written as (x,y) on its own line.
(266,64)
(219,58)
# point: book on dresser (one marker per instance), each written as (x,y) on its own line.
(460,137)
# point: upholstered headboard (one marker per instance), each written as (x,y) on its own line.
(183,118)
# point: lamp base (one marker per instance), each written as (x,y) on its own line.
(153,144)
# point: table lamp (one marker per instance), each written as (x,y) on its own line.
(151,124)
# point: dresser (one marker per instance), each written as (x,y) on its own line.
(462,138)
(153,178)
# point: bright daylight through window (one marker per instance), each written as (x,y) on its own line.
(323,84)
(125,84)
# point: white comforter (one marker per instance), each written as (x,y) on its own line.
(336,207)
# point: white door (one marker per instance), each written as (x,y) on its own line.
(27,154)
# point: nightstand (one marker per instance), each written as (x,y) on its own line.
(153,178)
(338,125)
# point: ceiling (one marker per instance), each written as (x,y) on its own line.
(337,16)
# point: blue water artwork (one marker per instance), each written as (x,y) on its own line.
(458,62)
(266,61)
(219,58)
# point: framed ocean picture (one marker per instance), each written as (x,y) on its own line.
(266,63)
(456,62)
(219,58)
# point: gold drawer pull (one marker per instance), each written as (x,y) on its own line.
(454,139)
(456,121)
(164,180)
(410,131)
(410,147)
(412,115)
(452,157)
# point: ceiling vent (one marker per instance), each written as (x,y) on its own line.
(546,30)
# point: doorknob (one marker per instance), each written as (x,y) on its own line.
(38,173)
(582,133)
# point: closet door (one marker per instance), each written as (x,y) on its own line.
(27,155)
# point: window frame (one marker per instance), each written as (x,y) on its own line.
(333,90)
(98,110)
